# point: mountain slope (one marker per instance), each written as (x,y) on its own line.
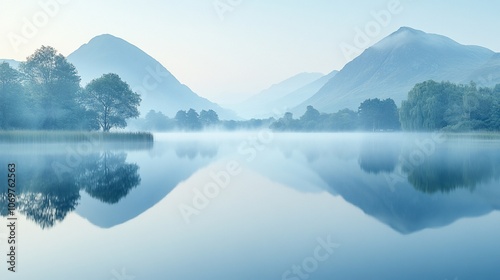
(489,73)
(391,68)
(302,85)
(298,96)
(159,89)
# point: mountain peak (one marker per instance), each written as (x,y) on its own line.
(159,89)
(106,37)
(406,36)
(107,40)
(391,67)
(406,29)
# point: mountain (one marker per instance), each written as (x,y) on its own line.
(158,88)
(391,68)
(489,73)
(288,93)
(159,176)
(298,96)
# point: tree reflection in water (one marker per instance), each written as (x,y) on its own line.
(450,168)
(109,179)
(46,198)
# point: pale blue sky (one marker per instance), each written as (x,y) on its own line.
(258,42)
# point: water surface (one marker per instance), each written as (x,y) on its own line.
(258,206)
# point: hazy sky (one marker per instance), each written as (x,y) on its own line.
(244,46)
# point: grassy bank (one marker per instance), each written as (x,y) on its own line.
(472,135)
(73,137)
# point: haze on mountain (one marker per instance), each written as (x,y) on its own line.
(159,89)
(489,73)
(284,95)
(392,67)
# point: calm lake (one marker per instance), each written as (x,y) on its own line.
(256,206)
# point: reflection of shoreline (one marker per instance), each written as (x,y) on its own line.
(87,147)
(192,149)
(352,166)
(440,168)
(46,195)
(61,136)
(454,166)
(406,208)
(379,155)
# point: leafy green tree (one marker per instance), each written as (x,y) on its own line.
(112,100)
(8,76)
(376,114)
(343,120)
(53,83)
(309,121)
(209,118)
(494,114)
(157,121)
(13,105)
(181,119)
(311,115)
(435,106)
(193,120)
(369,114)
(286,123)
(427,105)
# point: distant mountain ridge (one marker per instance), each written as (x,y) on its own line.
(283,95)
(159,89)
(390,69)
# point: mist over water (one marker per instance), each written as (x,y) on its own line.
(262,199)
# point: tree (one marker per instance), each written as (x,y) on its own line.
(53,83)
(181,119)
(311,115)
(193,120)
(435,106)
(12,104)
(494,116)
(376,114)
(310,119)
(109,178)
(343,120)
(157,121)
(390,115)
(43,196)
(209,118)
(112,100)
(286,123)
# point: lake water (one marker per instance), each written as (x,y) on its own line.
(258,206)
